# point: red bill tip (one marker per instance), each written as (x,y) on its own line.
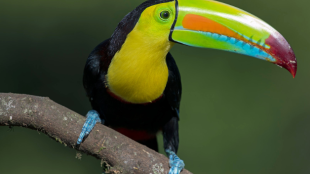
(282,51)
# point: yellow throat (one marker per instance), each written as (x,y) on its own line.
(138,72)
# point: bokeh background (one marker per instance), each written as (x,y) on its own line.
(239,115)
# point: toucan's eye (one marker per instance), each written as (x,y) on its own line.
(165,14)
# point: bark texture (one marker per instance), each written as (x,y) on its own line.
(121,154)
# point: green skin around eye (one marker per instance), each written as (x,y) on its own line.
(152,23)
(159,10)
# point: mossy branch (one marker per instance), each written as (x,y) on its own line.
(120,153)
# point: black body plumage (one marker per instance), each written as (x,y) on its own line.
(161,114)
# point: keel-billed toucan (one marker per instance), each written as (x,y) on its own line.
(133,82)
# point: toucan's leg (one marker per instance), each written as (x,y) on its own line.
(92,118)
(171,144)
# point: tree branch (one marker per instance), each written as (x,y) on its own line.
(120,153)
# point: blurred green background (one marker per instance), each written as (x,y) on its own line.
(239,115)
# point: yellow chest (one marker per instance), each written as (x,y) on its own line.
(138,73)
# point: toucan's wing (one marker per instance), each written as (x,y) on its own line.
(173,89)
(172,94)
(93,71)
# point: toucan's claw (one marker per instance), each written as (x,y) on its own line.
(176,164)
(92,118)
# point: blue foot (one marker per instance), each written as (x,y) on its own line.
(176,164)
(92,118)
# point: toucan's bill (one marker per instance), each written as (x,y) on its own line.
(212,24)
